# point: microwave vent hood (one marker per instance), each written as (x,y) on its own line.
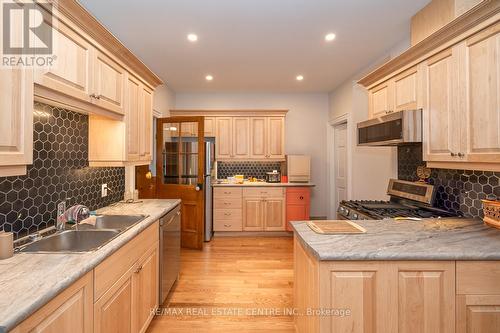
(392,129)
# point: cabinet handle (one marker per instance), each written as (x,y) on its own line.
(461,155)
(227,225)
(227,214)
(227,192)
(227,203)
(92,95)
(453,154)
(98,96)
(138,269)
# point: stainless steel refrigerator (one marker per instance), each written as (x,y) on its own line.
(209,164)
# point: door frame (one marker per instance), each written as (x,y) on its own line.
(344,119)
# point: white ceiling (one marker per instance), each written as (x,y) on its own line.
(256,45)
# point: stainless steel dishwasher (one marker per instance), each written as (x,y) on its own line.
(170,251)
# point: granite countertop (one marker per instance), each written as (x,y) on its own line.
(429,239)
(29,280)
(263,184)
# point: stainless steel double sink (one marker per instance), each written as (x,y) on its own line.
(86,237)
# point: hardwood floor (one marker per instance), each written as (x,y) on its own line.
(235,275)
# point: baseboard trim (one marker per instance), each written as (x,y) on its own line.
(253,234)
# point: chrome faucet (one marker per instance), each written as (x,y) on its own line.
(60,220)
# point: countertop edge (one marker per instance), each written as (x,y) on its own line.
(266,185)
(102,254)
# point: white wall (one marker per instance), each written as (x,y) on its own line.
(163,100)
(370,167)
(305,126)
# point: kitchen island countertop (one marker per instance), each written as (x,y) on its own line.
(429,239)
(30,280)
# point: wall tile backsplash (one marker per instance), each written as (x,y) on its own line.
(456,190)
(246,168)
(60,170)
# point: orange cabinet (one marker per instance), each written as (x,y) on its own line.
(298,203)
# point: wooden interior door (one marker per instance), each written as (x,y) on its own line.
(180,169)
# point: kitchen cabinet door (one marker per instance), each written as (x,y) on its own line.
(133,118)
(426,297)
(209,126)
(223,137)
(241,138)
(146,126)
(258,137)
(405,90)
(381,99)
(274,214)
(113,312)
(70,311)
(16,125)
(276,138)
(441,116)
(145,289)
(478,313)
(71,73)
(481,96)
(253,218)
(108,83)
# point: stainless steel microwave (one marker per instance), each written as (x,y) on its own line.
(392,129)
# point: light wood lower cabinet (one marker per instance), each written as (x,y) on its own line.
(70,311)
(374,296)
(264,209)
(227,209)
(119,295)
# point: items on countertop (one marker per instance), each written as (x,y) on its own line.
(491,210)
(273,177)
(6,245)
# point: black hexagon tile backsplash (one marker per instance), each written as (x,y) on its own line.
(246,168)
(60,171)
(456,190)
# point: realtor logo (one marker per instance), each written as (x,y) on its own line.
(26,33)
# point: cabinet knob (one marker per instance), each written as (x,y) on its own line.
(453,154)
(138,269)
(461,155)
(301,198)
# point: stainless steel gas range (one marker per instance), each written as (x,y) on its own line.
(408,200)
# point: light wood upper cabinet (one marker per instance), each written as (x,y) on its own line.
(405,90)
(71,72)
(276,138)
(133,118)
(70,311)
(258,137)
(16,126)
(481,96)
(380,100)
(108,81)
(146,125)
(241,138)
(209,126)
(441,118)
(224,135)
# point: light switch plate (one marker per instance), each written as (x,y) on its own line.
(104,190)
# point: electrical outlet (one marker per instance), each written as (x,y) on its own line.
(104,190)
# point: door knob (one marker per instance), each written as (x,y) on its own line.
(197,188)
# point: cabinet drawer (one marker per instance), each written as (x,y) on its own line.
(263,192)
(111,269)
(228,225)
(298,196)
(478,277)
(228,214)
(224,192)
(227,203)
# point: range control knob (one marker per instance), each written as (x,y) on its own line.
(346,212)
(355,216)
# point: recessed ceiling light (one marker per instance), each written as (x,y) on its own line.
(329,37)
(209,77)
(192,37)
(299,78)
